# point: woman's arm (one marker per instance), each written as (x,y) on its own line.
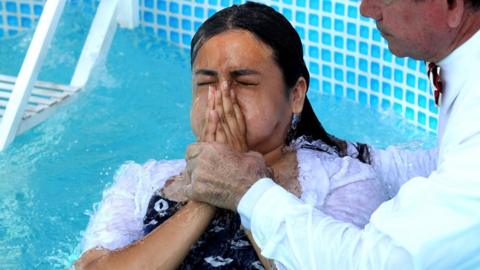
(163,248)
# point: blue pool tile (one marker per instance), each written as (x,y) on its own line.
(409,113)
(338,58)
(399,61)
(212,2)
(352,12)
(26,22)
(339,42)
(313,52)
(387,55)
(363,65)
(327,6)
(422,84)
(196,25)
(148,16)
(410,80)
(186,10)
(375,68)
(37,9)
(162,33)
(339,90)
(186,24)
(363,49)
(338,74)
(225,3)
(339,26)
(175,37)
(326,23)
(300,31)
(385,104)
(300,17)
(410,97)
(350,61)
(326,39)
(174,7)
(412,64)
(314,4)
(376,36)
(339,9)
(432,107)
(326,55)
(12,21)
(327,71)
(351,45)
(198,12)
(1,6)
(11,7)
(374,85)
(398,93)
(289,2)
(397,108)
(375,51)
(186,38)
(351,94)
(314,84)
(432,123)
(211,11)
(398,76)
(313,20)
(149,30)
(422,101)
(364,32)
(362,98)
(301,3)
(287,13)
(374,101)
(313,35)
(25,9)
(162,5)
(1,33)
(350,77)
(387,72)
(326,87)
(314,68)
(386,89)
(421,118)
(173,22)
(362,81)
(351,29)
(148,3)
(161,19)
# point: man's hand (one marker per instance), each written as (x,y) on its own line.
(220,175)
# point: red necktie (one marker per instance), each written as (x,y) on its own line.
(434,76)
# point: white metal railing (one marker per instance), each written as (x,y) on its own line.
(97,45)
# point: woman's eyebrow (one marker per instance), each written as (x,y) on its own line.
(244,72)
(206,72)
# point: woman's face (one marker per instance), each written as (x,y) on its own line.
(240,60)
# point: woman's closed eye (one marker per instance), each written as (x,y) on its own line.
(204,83)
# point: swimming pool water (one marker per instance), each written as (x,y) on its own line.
(135,108)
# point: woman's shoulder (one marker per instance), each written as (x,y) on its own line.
(153,172)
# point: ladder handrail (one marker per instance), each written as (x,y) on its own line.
(36,53)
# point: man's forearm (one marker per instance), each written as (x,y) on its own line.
(299,236)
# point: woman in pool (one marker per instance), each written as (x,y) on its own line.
(249,86)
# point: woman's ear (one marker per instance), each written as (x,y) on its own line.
(297,96)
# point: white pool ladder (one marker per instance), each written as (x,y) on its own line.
(26,102)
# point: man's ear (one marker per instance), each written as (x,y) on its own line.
(297,95)
(455,12)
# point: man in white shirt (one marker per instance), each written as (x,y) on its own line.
(433,222)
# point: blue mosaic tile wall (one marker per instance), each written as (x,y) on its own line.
(346,55)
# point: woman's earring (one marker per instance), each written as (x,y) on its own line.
(295,121)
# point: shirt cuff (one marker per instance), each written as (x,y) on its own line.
(249,200)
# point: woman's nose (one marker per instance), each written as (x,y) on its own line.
(371,9)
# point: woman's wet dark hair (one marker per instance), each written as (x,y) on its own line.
(275,30)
